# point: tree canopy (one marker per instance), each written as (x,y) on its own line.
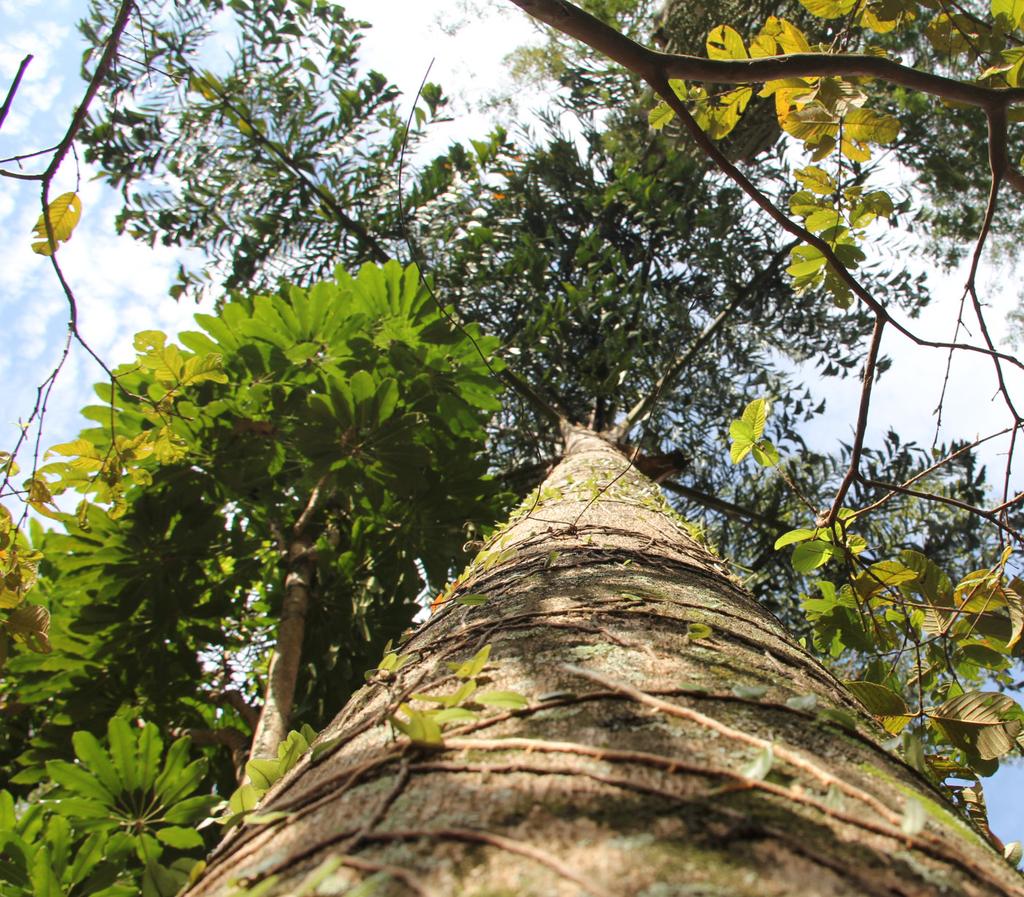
(268,501)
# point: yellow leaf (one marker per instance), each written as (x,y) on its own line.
(762,45)
(64,213)
(790,38)
(725,43)
(828,9)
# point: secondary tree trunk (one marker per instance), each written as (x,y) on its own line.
(283,671)
(657,695)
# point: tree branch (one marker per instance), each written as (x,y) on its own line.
(13,89)
(673,371)
(868,382)
(237,702)
(725,507)
(547,408)
(653,65)
(311,505)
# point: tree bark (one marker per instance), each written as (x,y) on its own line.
(657,755)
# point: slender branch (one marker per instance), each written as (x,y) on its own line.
(237,702)
(862,423)
(546,407)
(9,99)
(102,68)
(373,246)
(725,507)
(942,462)
(673,371)
(311,505)
(991,516)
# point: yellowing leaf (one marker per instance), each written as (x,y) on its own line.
(1010,10)
(660,115)
(762,45)
(828,9)
(756,414)
(725,43)
(790,38)
(817,180)
(866,126)
(63,213)
(879,700)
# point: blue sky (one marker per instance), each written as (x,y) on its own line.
(121,285)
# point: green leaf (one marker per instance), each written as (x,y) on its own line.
(817,180)
(802,702)
(1011,11)
(882,702)
(828,9)
(472,668)
(472,600)
(189,810)
(123,752)
(794,535)
(421,728)
(810,555)
(508,700)
(179,837)
(866,126)
(244,799)
(698,631)
(756,414)
(765,453)
(761,765)
(660,115)
(263,772)
(455,715)
(79,780)
(90,752)
(750,692)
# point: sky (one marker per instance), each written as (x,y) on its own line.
(121,285)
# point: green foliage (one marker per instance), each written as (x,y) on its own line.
(262,773)
(918,633)
(279,163)
(425,726)
(747,433)
(117,822)
(353,399)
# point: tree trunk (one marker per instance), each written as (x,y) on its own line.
(283,671)
(657,756)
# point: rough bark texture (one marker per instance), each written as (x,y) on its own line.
(284,665)
(629,772)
